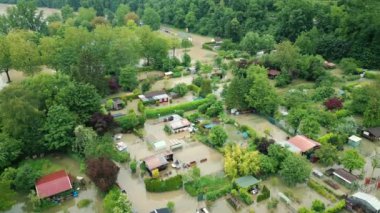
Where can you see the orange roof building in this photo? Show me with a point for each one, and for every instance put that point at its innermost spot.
(303, 143)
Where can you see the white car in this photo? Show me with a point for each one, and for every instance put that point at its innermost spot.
(118, 136)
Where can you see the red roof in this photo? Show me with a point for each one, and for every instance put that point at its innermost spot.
(53, 184)
(303, 143)
(273, 72)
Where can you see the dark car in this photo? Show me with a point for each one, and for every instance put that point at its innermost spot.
(162, 210)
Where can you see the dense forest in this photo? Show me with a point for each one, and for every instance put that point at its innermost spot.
(334, 29)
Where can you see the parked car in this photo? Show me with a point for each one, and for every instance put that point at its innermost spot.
(202, 210)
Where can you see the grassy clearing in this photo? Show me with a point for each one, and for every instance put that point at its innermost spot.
(45, 166)
(211, 186)
(84, 203)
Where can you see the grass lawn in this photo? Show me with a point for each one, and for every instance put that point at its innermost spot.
(45, 166)
(208, 185)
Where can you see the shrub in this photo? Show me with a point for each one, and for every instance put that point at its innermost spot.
(215, 109)
(102, 123)
(194, 88)
(272, 204)
(109, 104)
(318, 206)
(170, 205)
(348, 65)
(154, 113)
(265, 194)
(338, 207)
(333, 103)
(157, 185)
(140, 106)
(180, 89)
(323, 93)
(103, 172)
(131, 121)
(167, 129)
(207, 46)
(214, 195)
(321, 190)
(133, 166)
(245, 196)
(84, 203)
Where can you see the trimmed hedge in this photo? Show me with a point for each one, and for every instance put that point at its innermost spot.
(338, 207)
(245, 196)
(214, 195)
(157, 185)
(154, 112)
(194, 88)
(320, 189)
(265, 194)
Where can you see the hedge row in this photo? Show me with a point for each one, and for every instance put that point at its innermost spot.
(214, 195)
(245, 196)
(321, 190)
(194, 88)
(208, 46)
(155, 112)
(157, 185)
(265, 194)
(338, 207)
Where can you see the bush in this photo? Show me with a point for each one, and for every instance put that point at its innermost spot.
(207, 46)
(349, 65)
(180, 89)
(109, 104)
(214, 195)
(272, 204)
(167, 129)
(154, 113)
(131, 121)
(103, 172)
(265, 194)
(194, 88)
(318, 206)
(133, 166)
(323, 93)
(157, 185)
(84, 203)
(333, 103)
(215, 109)
(140, 106)
(321, 190)
(338, 207)
(245, 196)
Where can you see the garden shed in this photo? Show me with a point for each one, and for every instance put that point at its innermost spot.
(354, 141)
(53, 184)
(344, 177)
(304, 144)
(159, 145)
(372, 134)
(247, 182)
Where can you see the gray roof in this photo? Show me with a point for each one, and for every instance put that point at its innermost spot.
(246, 181)
(374, 131)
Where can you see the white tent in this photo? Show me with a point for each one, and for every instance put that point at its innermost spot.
(159, 145)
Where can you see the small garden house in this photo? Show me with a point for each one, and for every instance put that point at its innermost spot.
(344, 177)
(155, 96)
(304, 144)
(272, 73)
(372, 134)
(354, 141)
(247, 182)
(53, 184)
(364, 201)
(179, 125)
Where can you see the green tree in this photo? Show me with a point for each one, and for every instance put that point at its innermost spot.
(128, 78)
(318, 206)
(25, 16)
(83, 137)
(286, 57)
(218, 136)
(295, 118)
(8, 196)
(262, 95)
(115, 201)
(348, 65)
(67, 12)
(5, 57)
(24, 53)
(190, 19)
(308, 41)
(121, 11)
(154, 48)
(253, 42)
(327, 154)
(295, 169)
(372, 113)
(351, 160)
(59, 127)
(205, 88)
(215, 109)
(235, 94)
(186, 60)
(10, 150)
(310, 127)
(25, 178)
(82, 99)
(151, 18)
(180, 89)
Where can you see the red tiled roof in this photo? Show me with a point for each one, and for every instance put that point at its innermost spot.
(53, 184)
(303, 143)
(155, 161)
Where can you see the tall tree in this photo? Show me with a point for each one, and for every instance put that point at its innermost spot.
(327, 154)
(128, 78)
(310, 127)
(235, 94)
(352, 160)
(5, 57)
(59, 127)
(295, 169)
(262, 95)
(24, 53)
(103, 172)
(253, 42)
(151, 18)
(218, 136)
(10, 150)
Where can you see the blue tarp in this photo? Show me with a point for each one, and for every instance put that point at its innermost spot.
(209, 126)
